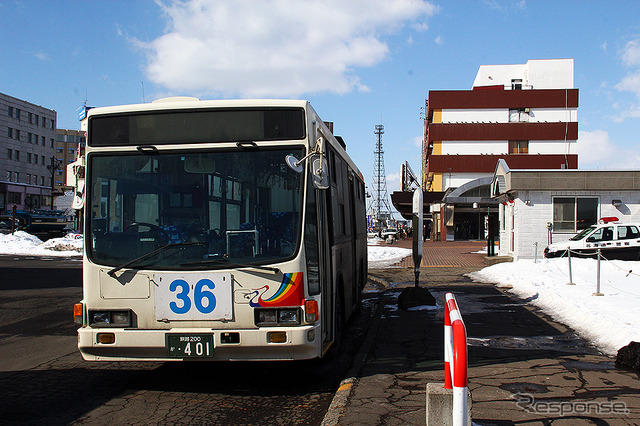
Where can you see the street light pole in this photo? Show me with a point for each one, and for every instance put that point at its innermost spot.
(53, 178)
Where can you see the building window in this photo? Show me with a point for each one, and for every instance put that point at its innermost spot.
(16, 133)
(571, 214)
(516, 84)
(17, 156)
(8, 176)
(9, 132)
(44, 121)
(35, 159)
(9, 153)
(28, 158)
(36, 120)
(10, 112)
(30, 118)
(43, 140)
(53, 125)
(519, 115)
(13, 197)
(518, 147)
(18, 113)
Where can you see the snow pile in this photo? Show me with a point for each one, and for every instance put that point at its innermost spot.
(385, 256)
(22, 243)
(610, 321)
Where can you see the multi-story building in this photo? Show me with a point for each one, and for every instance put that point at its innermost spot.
(68, 142)
(525, 114)
(27, 153)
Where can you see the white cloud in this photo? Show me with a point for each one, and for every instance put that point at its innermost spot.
(631, 53)
(439, 40)
(393, 182)
(630, 83)
(277, 47)
(417, 142)
(630, 56)
(597, 151)
(42, 56)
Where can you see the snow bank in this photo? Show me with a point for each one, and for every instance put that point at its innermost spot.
(22, 243)
(385, 256)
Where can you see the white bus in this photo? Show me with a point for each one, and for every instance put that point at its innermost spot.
(218, 230)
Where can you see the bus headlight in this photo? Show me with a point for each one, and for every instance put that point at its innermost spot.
(266, 316)
(288, 316)
(110, 318)
(282, 316)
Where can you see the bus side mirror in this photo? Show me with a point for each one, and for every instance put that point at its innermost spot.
(78, 196)
(320, 173)
(319, 166)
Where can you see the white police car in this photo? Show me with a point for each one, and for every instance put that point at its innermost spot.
(615, 240)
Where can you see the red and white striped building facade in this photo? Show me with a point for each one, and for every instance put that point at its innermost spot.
(525, 114)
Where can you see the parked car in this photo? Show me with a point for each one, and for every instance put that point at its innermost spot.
(44, 224)
(615, 240)
(390, 232)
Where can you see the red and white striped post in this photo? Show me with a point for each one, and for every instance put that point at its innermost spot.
(455, 359)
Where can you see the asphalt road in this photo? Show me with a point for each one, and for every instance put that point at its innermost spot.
(43, 379)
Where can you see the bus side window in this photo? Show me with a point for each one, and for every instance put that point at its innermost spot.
(332, 166)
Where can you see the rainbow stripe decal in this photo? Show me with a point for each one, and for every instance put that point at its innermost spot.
(290, 293)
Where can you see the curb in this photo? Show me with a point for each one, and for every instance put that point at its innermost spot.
(341, 398)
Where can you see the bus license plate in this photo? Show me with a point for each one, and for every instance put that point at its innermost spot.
(190, 345)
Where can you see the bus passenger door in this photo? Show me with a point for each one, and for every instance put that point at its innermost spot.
(324, 268)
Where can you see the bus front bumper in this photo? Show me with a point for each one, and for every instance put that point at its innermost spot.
(302, 342)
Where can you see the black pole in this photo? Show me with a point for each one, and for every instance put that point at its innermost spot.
(53, 178)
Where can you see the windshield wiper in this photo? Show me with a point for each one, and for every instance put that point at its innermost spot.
(151, 253)
(226, 262)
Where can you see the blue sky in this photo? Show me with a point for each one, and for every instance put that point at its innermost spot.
(360, 63)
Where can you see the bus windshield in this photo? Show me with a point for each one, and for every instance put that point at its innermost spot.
(211, 209)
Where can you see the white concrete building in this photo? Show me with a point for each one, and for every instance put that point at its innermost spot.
(542, 206)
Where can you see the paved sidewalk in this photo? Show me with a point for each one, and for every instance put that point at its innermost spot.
(438, 254)
(524, 368)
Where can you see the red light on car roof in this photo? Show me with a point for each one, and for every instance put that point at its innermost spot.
(609, 219)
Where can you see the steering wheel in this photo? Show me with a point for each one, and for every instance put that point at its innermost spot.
(155, 229)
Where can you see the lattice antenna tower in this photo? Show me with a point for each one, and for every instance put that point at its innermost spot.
(380, 204)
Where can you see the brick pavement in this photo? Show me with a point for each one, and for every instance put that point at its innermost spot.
(446, 253)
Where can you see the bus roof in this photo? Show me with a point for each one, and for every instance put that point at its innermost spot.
(189, 102)
(184, 102)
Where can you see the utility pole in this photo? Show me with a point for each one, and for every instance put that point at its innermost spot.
(52, 167)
